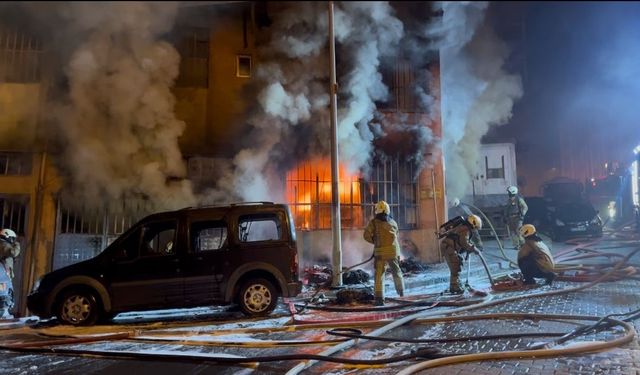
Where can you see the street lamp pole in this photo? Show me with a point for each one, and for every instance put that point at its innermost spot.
(335, 186)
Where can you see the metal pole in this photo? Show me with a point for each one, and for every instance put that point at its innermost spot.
(335, 193)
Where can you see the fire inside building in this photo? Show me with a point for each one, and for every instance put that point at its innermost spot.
(219, 56)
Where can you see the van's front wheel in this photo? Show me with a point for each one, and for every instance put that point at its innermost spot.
(78, 308)
(257, 297)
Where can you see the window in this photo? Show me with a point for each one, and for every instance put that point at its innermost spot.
(128, 250)
(243, 66)
(158, 239)
(308, 192)
(193, 47)
(15, 163)
(494, 172)
(20, 56)
(208, 235)
(254, 228)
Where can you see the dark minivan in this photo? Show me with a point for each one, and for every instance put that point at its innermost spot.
(240, 253)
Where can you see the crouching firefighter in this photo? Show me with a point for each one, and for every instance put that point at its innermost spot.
(382, 232)
(456, 239)
(534, 257)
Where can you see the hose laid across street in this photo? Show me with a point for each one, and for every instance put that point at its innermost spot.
(340, 347)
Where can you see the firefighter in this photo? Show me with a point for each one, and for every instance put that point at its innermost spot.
(9, 250)
(534, 257)
(514, 213)
(456, 242)
(460, 209)
(382, 232)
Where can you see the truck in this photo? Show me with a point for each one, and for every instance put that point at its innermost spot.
(495, 172)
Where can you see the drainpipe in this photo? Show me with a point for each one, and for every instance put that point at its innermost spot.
(31, 254)
(435, 209)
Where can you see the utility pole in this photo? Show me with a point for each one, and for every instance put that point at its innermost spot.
(336, 226)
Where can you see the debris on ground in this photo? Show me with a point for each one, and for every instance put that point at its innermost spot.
(412, 265)
(317, 274)
(355, 277)
(349, 296)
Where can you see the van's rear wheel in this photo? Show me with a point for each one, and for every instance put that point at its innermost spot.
(78, 308)
(257, 297)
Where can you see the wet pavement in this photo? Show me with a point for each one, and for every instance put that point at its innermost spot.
(224, 332)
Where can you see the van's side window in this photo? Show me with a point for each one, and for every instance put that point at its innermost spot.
(262, 227)
(158, 239)
(208, 235)
(128, 250)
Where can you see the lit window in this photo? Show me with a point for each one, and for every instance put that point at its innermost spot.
(243, 66)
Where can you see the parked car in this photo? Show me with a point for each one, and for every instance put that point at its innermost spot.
(240, 253)
(6, 294)
(562, 220)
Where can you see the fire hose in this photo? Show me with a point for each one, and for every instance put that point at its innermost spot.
(407, 319)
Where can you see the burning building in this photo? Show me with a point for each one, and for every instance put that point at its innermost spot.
(151, 106)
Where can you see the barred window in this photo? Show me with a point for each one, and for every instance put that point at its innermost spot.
(308, 191)
(402, 80)
(20, 56)
(14, 214)
(83, 234)
(15, 163)
(193, 47)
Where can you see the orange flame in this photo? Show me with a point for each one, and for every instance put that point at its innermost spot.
(308, 192)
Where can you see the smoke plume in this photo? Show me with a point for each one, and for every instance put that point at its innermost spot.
(290, 119)
(111, 108)
(476, 92)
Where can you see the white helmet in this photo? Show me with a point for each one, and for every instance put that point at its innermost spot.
(527, 230)
(8, 235)
(381, 207)
(475, 221)
(455, 202)
(512, 190)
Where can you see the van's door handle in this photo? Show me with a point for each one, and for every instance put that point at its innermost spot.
(177, 260)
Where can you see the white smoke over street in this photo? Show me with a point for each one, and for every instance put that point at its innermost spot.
(119, 124)
(476, 92)
(110, 110)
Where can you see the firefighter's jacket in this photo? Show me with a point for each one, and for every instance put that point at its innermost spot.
(8, 252)
(458, 239)
(516, 208)
(540, 252)
(384, 237)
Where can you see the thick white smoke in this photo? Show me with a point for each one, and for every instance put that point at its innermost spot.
(476, 92)
(291, 120)
(118, 128)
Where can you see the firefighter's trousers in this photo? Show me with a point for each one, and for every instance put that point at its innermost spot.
(514, 224)
(382, 259)
(454, 261)
(530, 269)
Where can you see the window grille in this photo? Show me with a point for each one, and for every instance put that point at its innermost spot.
(15, 163)
(20, 56)
(308, 191)
(194, 58)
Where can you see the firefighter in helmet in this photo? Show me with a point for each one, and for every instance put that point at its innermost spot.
(382, 232)
(514, 213)
(461, 209)
(454, 244)
(534, 257)
(9, 250)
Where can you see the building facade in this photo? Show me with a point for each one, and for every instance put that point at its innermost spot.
(218, 57)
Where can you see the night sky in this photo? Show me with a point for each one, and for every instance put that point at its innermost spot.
(580, 64)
